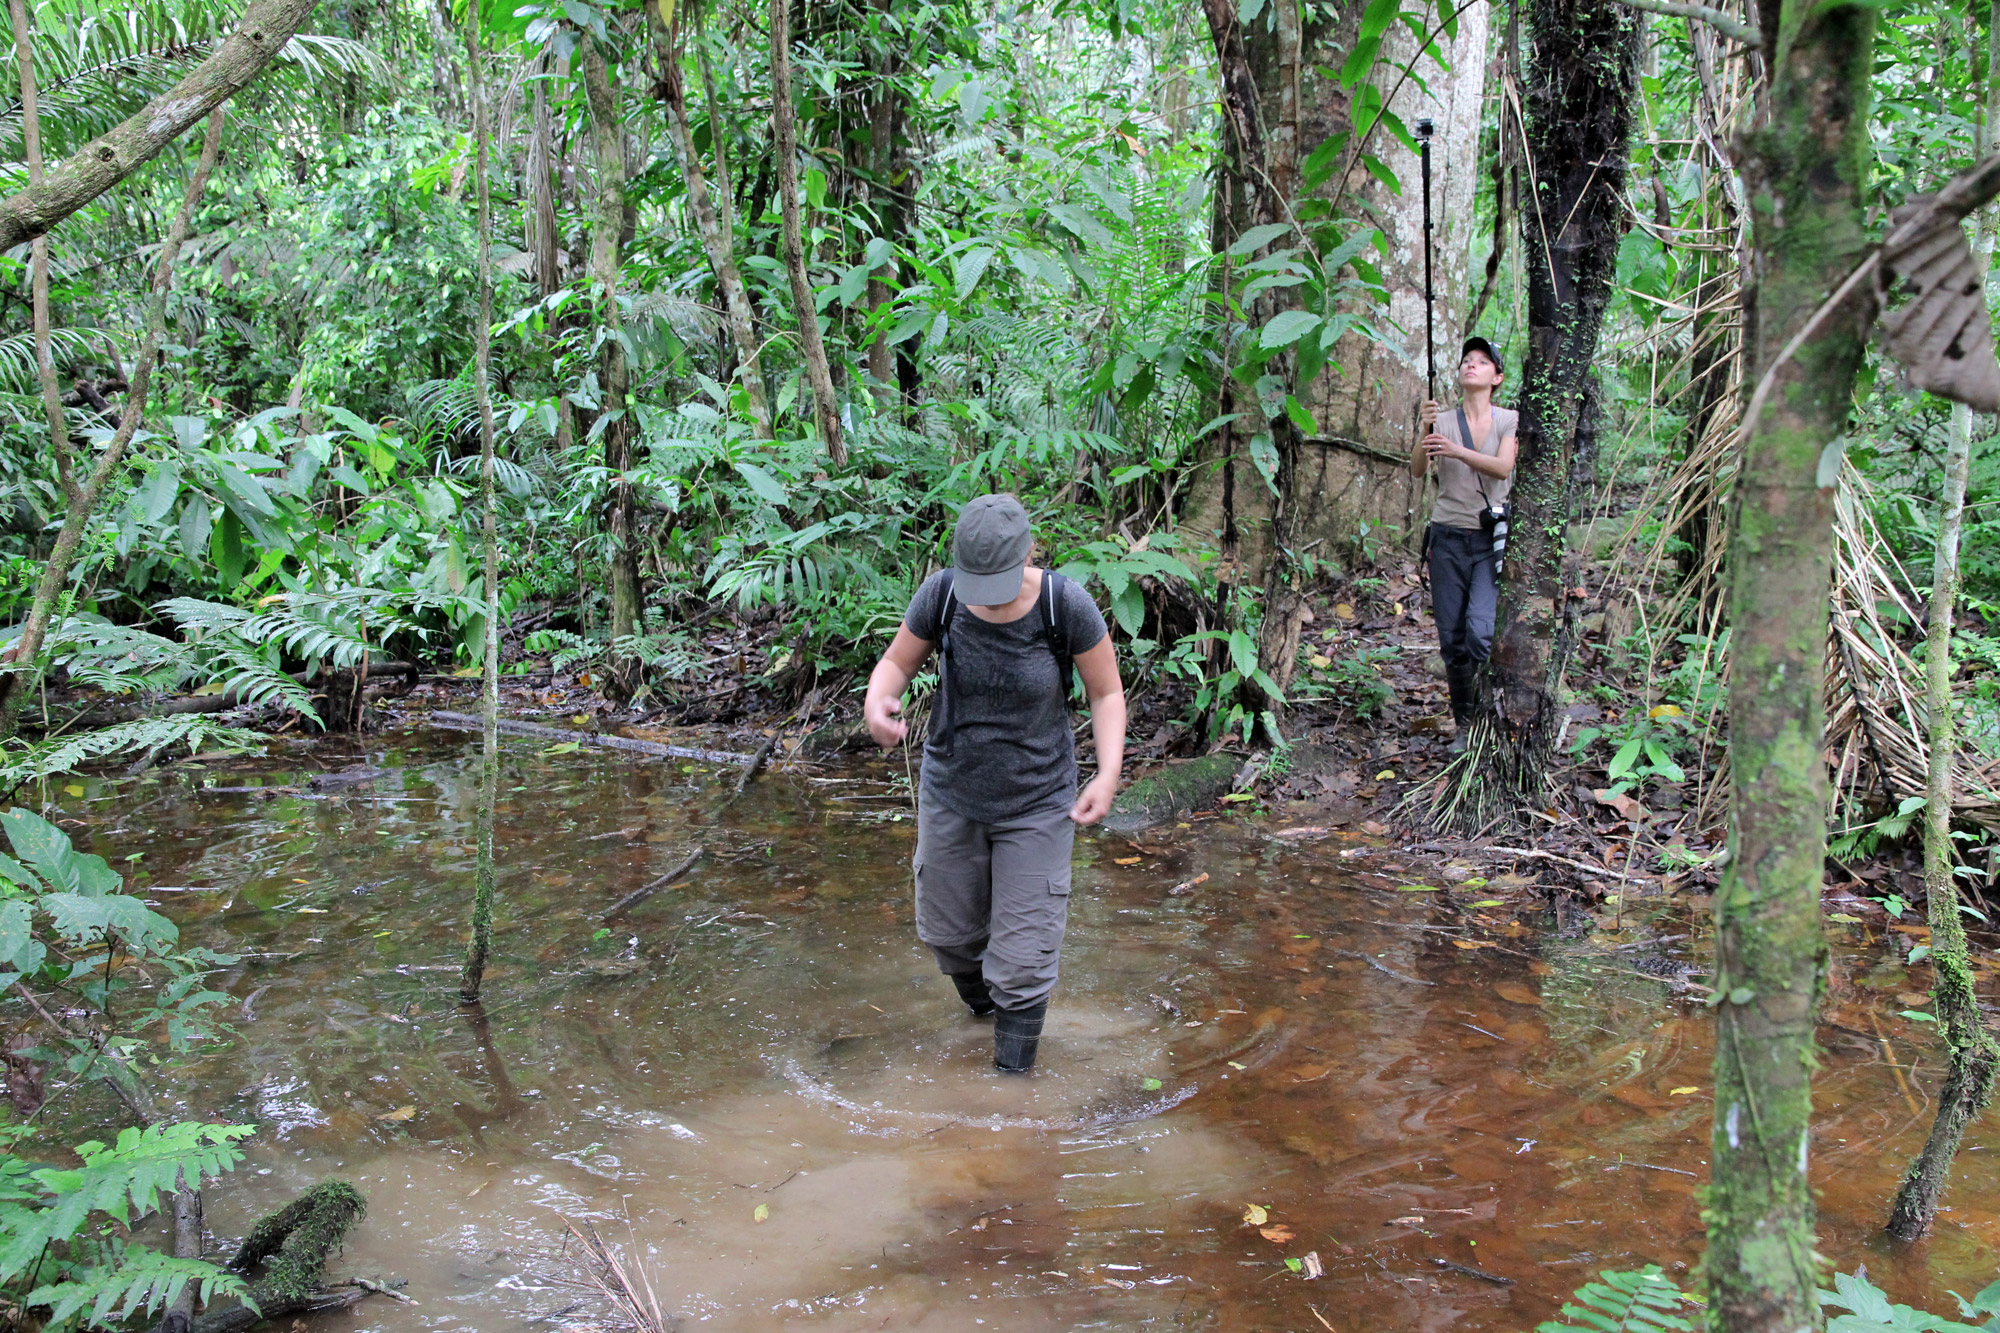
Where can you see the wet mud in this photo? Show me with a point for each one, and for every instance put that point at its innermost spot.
(1458, 1102)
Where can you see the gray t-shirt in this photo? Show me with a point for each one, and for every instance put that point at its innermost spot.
(1013, 753)
(1463, 492)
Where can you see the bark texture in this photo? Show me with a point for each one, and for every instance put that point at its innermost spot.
(100, 164)
(1582, 90)
(785, 144)
(718, 234)
(1806, 166)
(1973, 1054)
(614, 375)
(1351, 487)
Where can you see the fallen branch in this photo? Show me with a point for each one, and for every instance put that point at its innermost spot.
(637, 896)
(756, 765)
(1564, 860)
(1727, 24)
(293, 1244)
(467, 722)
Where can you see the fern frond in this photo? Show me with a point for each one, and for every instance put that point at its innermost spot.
(25, 763)
(141, 1280)
(1644, 1301)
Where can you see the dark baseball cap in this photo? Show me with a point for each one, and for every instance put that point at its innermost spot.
(990, 551)
(1478, 344)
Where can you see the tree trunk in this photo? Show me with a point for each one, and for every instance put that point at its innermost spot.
(819, 374)
(100, 164)
(474, 972)
(544, 235)
(83, 491)
(1806, 167)
(1351, 487)
(613, 370)
(1582, 84)
(1974, 1055)
(885, 117)
(718, 234)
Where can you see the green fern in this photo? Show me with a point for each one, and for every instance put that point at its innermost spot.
(1631, 1302)
(146, 736)
(140, 1281)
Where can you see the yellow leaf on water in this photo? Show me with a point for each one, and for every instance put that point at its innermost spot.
(763, 1211)
(1681, 1092)
(399, 1114)
(1125, 860)
(1256, 1215)
(1474, 944)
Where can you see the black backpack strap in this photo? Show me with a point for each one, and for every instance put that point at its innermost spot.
(946, 730)
(1054, 630)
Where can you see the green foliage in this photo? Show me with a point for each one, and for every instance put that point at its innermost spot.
(147, 737)
(60, 1249)
(1871, 1311)
(1642, 1301)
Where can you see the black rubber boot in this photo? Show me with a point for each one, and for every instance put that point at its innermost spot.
(1016, 1034)
(972, 989)
(1464, 684)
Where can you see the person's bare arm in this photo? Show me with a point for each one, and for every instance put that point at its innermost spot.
(1498, 465)
(1420, 455)
(1099, 668)
(886, 684)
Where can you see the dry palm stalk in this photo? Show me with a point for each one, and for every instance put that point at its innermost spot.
(599, 1267)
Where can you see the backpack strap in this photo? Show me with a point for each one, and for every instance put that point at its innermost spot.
(946, 728)
(1055, 632)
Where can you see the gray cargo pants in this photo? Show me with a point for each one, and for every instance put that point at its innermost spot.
(994, 898)
(1464, 597)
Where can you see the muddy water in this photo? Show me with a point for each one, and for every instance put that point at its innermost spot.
(759, 1084)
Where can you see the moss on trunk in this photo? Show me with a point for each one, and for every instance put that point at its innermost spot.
(1806, 168)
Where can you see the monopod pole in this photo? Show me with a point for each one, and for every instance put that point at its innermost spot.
(1430, 333)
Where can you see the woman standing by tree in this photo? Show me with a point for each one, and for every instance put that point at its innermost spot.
(998, 808)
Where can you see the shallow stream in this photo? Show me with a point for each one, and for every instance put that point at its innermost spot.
(758, 1083)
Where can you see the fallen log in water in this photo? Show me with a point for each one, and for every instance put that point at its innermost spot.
(510, 727)
(293, 1245)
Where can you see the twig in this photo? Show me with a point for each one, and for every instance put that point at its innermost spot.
(638, 896)
(756, 765)
(467, 722)
(379, 1289)
(1414, 981)
(1468, 1269)
(1727, 24)
(1564, 860)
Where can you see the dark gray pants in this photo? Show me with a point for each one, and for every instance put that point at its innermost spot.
(994, 898)
(1464, 598)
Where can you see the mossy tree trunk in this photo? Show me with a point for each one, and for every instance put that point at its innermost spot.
(614, 375)
(1806, 167)
(1973, 1054)
(785, 144)
(1581, 95)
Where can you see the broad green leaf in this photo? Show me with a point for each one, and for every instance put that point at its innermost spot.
(762, 482)
(1255, 239)
(1287, 327)
(971, 267)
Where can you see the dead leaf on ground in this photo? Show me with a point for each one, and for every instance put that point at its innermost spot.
(399, 1114)
(1277, 1235)
(1374, 827)
(1126, 860)
(1515, 993)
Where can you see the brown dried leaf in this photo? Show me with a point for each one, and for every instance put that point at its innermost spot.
(1277, 1235)
(1942, 334)
(1515, 993)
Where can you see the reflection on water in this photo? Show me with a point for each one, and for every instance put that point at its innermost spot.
(758, 1080)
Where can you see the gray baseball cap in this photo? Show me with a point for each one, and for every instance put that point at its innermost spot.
(990, 551)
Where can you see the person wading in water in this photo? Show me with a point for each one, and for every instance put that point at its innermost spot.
(998, 807)
(1472, 449)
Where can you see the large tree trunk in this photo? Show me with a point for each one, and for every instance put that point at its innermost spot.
(785, 144)
(1806, 169)
(607, 134)
(1352, 478)
(1582, 85)
(885, 119)
(718, 233)
(1973, 1054)
(100, 164)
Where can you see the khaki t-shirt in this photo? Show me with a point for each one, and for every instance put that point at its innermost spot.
(1462, 492)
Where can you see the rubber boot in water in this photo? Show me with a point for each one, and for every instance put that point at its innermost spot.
(972, 989)
(1016, 1034)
